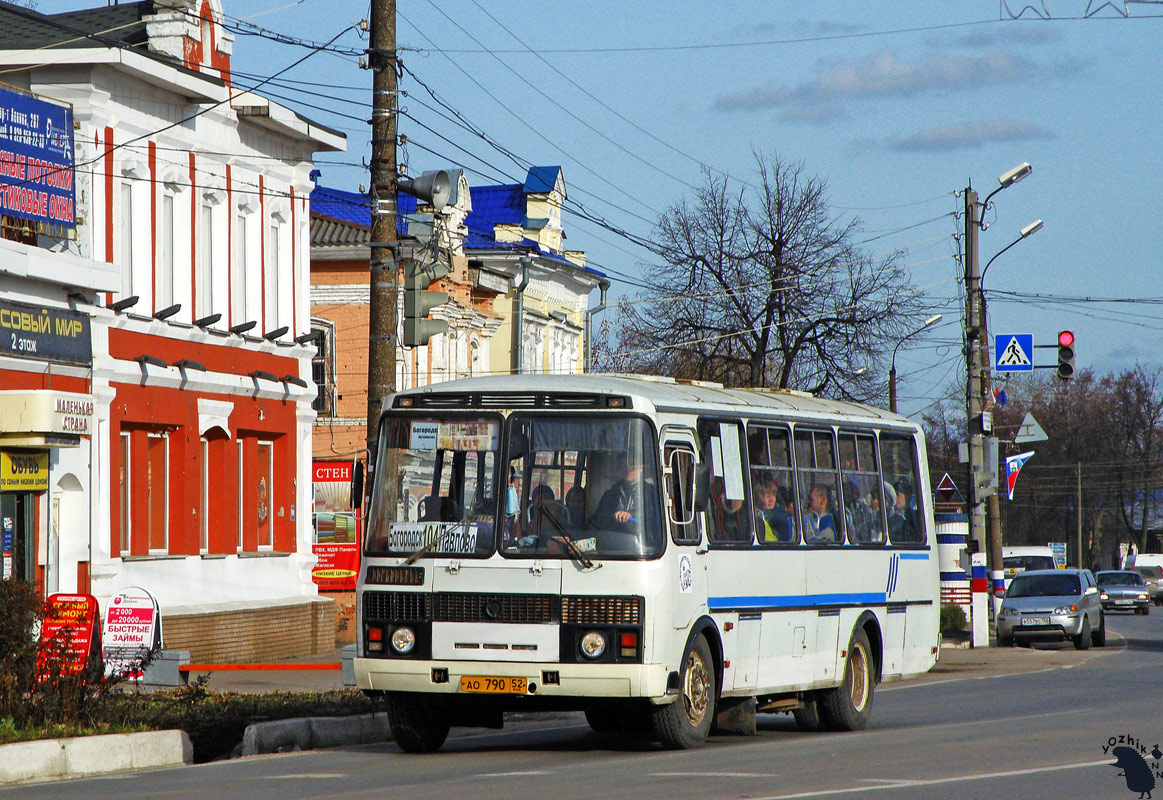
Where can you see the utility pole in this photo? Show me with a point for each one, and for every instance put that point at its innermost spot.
(381, 373)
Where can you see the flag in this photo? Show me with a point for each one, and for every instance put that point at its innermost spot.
(1013, 467)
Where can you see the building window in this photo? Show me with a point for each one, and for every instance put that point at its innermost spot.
(323, 367)
(271, 297)
(241, 494)
(264, 469)
(165, 267)
(204, 511)
(205, 288)
(126, 494)
(125, 238)
(239, 270)
(157, 491)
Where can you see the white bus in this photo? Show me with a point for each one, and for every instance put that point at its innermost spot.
(664, 556)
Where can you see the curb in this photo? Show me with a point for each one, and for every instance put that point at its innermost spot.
(309, 733)
(93, 755)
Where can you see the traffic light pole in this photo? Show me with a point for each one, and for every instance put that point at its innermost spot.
(383, 280)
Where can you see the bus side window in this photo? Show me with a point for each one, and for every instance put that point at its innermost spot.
(680, 493)
(729, 516)
(898, 457)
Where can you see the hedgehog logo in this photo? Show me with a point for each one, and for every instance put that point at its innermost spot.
(1135, 770)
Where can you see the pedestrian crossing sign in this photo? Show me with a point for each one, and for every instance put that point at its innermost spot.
(1013, 352)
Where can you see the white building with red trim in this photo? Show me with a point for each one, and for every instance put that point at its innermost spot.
(195, 191)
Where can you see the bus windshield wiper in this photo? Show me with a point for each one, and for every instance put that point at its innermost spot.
(571, 549)
(419, 554)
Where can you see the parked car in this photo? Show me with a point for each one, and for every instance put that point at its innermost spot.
(1052, 604)
(1153, 577)
(1123, 590)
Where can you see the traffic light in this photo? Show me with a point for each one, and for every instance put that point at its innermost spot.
(1065, 355)
(418, 302)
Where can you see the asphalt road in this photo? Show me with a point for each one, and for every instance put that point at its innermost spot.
(958, 733)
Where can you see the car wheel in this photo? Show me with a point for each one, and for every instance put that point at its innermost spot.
(1146, 610)
(1083, 640)
(1099, 637)
(1005, 641)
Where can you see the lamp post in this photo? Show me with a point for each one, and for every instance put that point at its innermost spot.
(892, 369)
(977, 367)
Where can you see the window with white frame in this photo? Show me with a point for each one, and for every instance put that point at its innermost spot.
(204, 291)
(204, 511)
(271, 274)
(241, 493)
(264, 488)
(125, 237)
(126, 495)
(164, 280)
(323, 366)
(157, 491)
(239, 267)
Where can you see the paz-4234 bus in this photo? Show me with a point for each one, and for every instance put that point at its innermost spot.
(667, 557)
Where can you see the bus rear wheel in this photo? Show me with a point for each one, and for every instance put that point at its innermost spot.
(807, 716)
(848, 707)
(685, 723)
(419, 723)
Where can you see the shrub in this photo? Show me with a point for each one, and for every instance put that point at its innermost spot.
(21, 609)
(953, 618)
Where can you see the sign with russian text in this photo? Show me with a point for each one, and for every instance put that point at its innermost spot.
(47, 334)
(67, 635)
(23, 472)
(133, 631)
(36, 160)
(336, 525)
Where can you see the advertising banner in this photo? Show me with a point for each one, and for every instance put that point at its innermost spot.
(337, 528)
(36, 160)
(23, 472)
(133, 630)
(67, 634)
(47, 334)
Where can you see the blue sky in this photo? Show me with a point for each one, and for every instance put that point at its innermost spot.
(898, 105)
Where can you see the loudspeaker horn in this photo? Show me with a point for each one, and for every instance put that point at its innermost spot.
(432, 188)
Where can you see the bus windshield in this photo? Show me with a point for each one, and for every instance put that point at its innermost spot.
(585, 485)
(437, 494)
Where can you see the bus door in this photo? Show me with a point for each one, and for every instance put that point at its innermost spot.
(679, 458)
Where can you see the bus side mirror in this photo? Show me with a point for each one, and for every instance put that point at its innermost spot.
(357, 485)
(702, 486)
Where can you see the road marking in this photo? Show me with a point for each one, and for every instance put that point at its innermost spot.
(329, 776)
(514, 774)
(704, 774)
(876, 785)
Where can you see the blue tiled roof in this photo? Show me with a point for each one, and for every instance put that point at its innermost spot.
(541, 180)
(355, 208)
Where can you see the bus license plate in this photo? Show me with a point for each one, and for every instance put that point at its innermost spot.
(502, 685)
(1035, 620)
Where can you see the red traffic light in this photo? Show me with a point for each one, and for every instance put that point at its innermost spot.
(1065, 339)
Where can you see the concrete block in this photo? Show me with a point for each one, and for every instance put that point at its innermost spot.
(334, 731)
(163, 670)
(160, 749)
(374, 728)
(348, 671)
(270, 737)
(25, 761)
(90, 754)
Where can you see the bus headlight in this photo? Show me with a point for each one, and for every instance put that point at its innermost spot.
(403, 640)
(593, 644)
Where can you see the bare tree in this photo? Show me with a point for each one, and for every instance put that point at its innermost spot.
(766, 288)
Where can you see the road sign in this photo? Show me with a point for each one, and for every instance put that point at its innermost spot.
(1013, 352)
(1030, 431)
(946, 489)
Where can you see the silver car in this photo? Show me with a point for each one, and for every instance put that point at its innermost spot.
(1153, 577)
(1123, 590)
(1052, 604)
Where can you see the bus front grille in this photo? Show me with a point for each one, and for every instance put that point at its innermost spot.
(397, 606)
(586, 610)
(481, 607)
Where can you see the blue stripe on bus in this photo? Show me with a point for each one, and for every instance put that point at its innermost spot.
(914, 556)
(794, 600)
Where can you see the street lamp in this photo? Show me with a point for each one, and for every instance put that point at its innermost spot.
(892, 369)
(1025, 232)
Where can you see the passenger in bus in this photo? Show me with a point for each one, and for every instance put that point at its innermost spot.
(820, 521)
(728, 524)
(772, 521)
(900, 522)
(545, 513)
(575, 505)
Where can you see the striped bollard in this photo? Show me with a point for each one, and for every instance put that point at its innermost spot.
(979, 591)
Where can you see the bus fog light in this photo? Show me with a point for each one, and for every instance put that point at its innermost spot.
(593, 644)
(403, 640)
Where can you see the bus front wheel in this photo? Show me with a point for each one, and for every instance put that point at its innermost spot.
(685, 723)
(848, 707)
(419, 723)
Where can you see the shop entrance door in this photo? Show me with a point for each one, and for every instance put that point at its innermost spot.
(18, 549)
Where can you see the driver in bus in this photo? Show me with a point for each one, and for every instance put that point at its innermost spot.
(619, 508)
